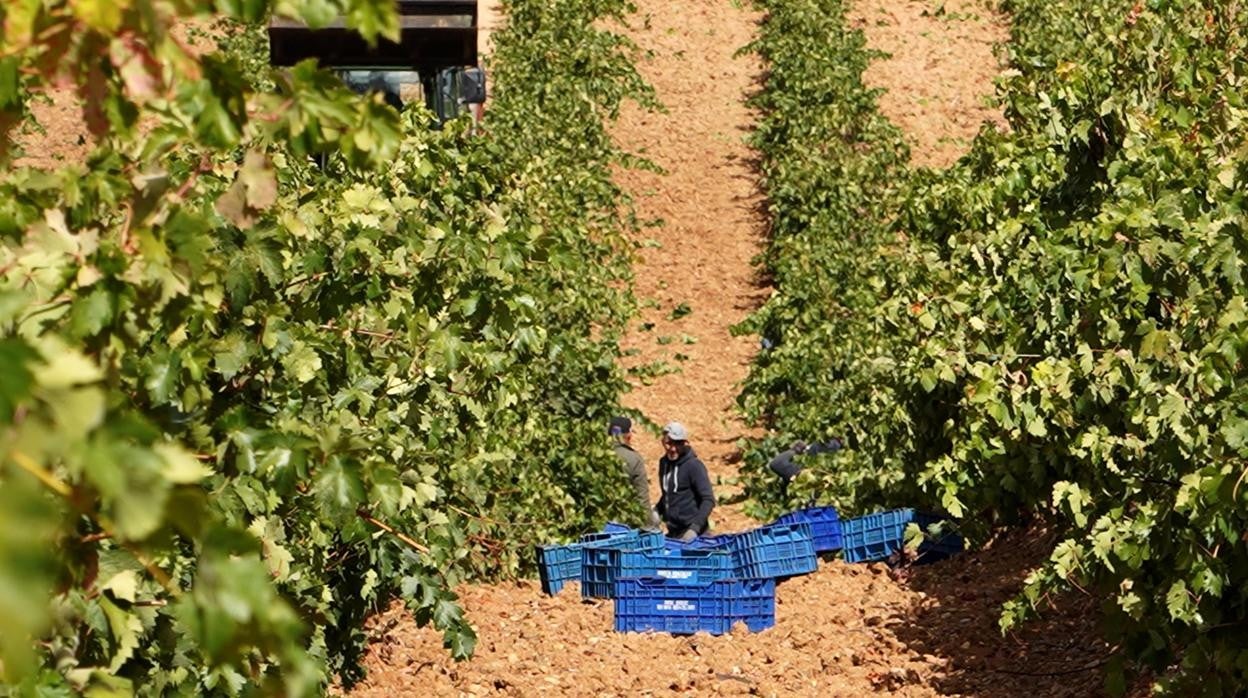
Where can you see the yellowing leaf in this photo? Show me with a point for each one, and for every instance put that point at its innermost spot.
(65, 367)
(181, 467)
(126, 628)
(102, 15)
(124, 585)
(260, 181)
(139, 70)
(1226, 176)
(233, 205)
(425, 493)
(19, 22)
(77, 412)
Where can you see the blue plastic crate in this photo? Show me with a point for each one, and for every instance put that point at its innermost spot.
(622, 538)
(878, 536)
(617, 527)
(557, 564)
(599, 564)
(685, 566)
(664, 605)
(825, 526)
(777, 550)
(754, 606)
(700, 543)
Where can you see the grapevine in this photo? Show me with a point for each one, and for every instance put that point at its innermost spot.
(1054, 326)
(248, 399)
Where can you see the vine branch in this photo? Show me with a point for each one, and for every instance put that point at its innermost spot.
(401, 536)
(63, 489)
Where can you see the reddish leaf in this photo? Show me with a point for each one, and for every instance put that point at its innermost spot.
(139, 70)
(233, 205)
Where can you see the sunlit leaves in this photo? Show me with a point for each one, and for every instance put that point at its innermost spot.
(101, 15)
(339, 489)
(1053, 325)
(254, 190)
(259, 391)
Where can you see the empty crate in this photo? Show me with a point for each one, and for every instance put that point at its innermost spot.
(700, 543)
(825, 526)
(878, 536)
(617, 527)
(685, 566)
(778, 550)
(557, 564)
(599, 558)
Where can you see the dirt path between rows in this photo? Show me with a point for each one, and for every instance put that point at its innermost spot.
(694, 273)
(939, 72)
(846, 630)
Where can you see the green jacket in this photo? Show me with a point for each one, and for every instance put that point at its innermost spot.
(635, 468)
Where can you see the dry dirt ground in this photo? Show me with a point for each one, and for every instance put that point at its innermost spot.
(56, 135)
(699, 258)
(846, 630)
(939, 73)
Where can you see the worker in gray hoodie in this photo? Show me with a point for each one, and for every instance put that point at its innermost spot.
(687, 499)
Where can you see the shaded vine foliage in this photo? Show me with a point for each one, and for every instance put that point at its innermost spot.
(1054, 325)
(246, 399)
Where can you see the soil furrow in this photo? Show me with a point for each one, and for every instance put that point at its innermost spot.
(694, 272)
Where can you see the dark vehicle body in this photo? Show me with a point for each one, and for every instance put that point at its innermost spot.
(434, 62)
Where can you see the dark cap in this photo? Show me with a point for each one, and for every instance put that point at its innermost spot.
(620, 425)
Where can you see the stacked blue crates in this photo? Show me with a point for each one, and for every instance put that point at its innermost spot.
(879, 536)
(691, 566)
(666, 605)
(699, 543)
(711, 583)
(704, 585)
(559, 564)
(825, 526)
(776, 551)
(600, 558)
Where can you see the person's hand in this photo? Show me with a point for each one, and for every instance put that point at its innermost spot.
(687, 536)
(654, 523)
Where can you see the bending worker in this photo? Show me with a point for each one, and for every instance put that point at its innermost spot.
(621, 428)
(687, 499)
(786, 466)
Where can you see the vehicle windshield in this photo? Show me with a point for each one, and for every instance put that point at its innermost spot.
(401, 88)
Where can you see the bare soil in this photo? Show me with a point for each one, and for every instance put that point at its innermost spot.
(55, 135)
(699, 258)
(938, 76)
(846, 630)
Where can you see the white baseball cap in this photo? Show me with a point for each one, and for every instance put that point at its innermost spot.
(675, 431)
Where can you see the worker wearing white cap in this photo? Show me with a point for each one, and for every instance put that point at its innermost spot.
(687, 499)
